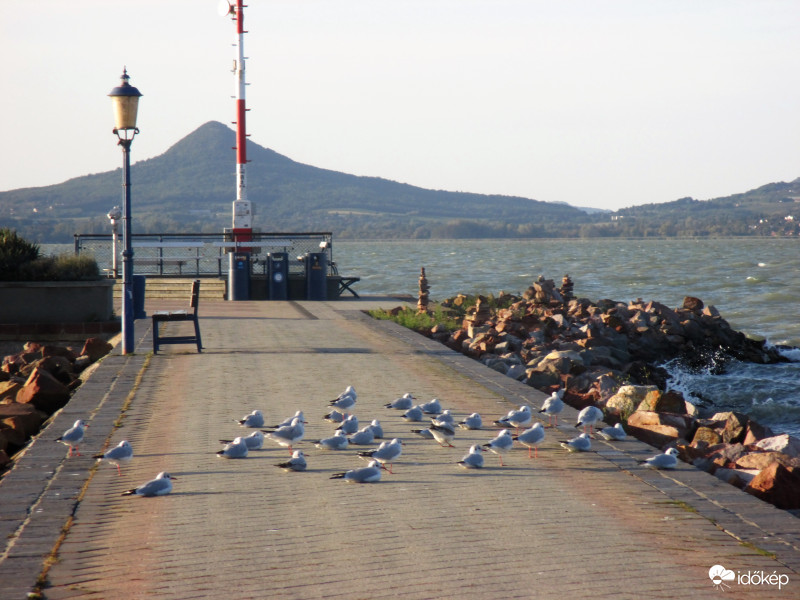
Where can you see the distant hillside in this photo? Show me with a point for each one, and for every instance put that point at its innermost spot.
(190, 188)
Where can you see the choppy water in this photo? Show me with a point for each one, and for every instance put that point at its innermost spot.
(755, 284)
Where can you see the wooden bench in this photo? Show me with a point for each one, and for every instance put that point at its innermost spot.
(179, 315)
(346, 282)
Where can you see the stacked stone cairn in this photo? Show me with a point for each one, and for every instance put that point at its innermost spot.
(607, 353)
(35, 383)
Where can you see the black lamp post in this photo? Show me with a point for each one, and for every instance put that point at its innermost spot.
(126, 104)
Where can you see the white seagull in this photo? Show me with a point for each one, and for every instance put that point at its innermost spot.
(443, 434)
(434, 407)
(532, 438)
(588, 417)
(553, 406)
(500, 444)
(346, 400)
(119, 454)
(288, 420)
(668, 460)
(473, 421)
(73, 436)
(404, 402)
(413, 414)
(387, 452)
(288, 434)
(296, 463)
(617, 432)
(444, 419)
(337, 442)
(377, 429)
(473, 459)
(369, 474)
(236, 449)
(254, 419)
(362, 437)
(160, 486)
(254, 441)
(582, 443)
(334, 416)
(516, 418)
(349, 425)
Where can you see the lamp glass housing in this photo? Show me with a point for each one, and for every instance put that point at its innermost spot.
(125, 99)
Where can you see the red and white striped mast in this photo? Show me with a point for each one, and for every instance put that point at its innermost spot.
(242, 210)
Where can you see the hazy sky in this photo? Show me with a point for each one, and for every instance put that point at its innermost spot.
(597, 103)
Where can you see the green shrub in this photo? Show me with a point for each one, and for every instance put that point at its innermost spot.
(65, 267)
(21, 260)
(15, 253)
(422, 322)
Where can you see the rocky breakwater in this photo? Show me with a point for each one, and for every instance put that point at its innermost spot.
(608, 354)
(35, 383)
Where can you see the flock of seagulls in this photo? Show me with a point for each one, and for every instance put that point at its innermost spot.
(442, 429)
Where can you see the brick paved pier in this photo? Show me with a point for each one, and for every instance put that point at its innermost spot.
(560, 526)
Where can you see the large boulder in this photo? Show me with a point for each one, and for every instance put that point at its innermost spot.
(778, 485)
(96, 348)
(658, 429)
(43, 391)
(22, 417)
(784, 443)
(732, 426)
(627, 399)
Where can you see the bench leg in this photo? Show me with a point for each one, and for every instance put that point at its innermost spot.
(197, 335)
(155, 336)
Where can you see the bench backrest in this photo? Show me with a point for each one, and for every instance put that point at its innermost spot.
(195, 295)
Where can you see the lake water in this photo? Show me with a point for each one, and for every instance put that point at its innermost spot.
(753, 282)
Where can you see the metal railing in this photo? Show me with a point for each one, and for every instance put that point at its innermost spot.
(200, 254)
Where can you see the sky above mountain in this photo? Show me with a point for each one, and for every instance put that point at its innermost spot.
(601, 104)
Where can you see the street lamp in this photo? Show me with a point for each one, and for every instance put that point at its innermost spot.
(125, 99)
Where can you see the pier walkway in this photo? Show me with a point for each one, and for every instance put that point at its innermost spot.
(594, 524)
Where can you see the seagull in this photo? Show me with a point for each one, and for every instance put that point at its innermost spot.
(377, 430)
(337, 442)
(582, 443)
(668, 460)
(334, 416)
(288, 420)
(588, 417)
(236, 449)
(444, 419)
(254, 419)
(160, 486)
(501, 443)
(296, 463)
(553, 406)
(413, 414)
(423, 433)
(349, 425)
(433, 407)
(121, 453)
(474, 459)
(73, 436)
(404, 402)
(363, 437)
(254, 441)
(369, 474)
(613, 433)
(531, 438)
(346, 400)
(443, 434)
(288, 434)
(517, 418)
(387, 452)
(473, 421)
